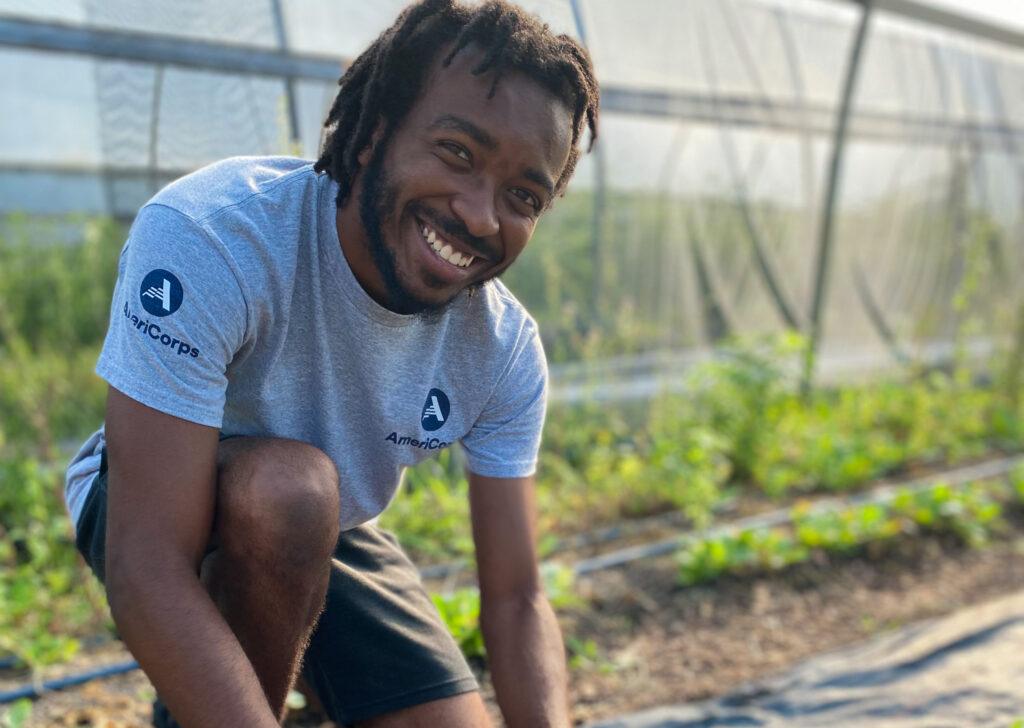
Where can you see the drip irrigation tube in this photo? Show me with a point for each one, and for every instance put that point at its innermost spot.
(36, 690)
(956, 477)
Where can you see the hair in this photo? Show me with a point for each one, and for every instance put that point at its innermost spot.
(384, 82)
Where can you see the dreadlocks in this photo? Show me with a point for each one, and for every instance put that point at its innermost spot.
(384, 82)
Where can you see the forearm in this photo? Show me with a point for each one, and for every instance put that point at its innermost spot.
(187, 650)
(526, 656)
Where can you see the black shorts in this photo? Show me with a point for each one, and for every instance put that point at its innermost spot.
(379, 646)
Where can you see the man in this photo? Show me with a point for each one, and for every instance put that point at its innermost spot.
(285, 338)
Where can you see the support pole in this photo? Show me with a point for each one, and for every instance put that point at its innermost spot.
(153, 161)
(289, 81)
(827, 231)
(600, 200)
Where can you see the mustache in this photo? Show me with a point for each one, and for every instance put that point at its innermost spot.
(452, 228)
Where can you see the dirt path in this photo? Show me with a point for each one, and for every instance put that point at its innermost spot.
(644, 642)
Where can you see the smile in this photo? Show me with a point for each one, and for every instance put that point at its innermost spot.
(443, 249)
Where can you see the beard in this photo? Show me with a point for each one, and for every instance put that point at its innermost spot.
(376, 209)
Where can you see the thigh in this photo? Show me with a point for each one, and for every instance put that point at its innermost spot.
(380, 645)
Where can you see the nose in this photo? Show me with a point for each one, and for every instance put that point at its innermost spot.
(475, 207)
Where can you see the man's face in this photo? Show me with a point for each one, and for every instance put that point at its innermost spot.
(451, 198)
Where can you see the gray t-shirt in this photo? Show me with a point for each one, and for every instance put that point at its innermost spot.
(235, 308)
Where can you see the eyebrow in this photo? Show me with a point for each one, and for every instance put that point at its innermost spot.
(481, 137)
(538, 177)
(474, 132)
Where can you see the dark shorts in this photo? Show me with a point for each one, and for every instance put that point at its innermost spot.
(379, 645)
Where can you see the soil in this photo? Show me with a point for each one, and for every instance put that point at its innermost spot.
(643, 641)
(661, 644)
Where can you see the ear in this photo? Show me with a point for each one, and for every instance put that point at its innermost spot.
(366, 154)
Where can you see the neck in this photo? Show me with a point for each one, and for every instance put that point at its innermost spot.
(356, 248)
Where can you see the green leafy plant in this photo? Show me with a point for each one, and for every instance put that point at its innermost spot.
(460, 611)
(746, 552)
(971, 513)
(585, 654)
(17, 714)
(46, 596)
(560, 586)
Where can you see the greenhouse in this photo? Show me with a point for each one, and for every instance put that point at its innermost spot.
(782, 286)
(812, 165)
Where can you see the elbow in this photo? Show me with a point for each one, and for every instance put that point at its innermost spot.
(134, 579)
(122, 580)
(512, 606)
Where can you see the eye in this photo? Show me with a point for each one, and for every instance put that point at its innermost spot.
(528, 197)
(457, 149)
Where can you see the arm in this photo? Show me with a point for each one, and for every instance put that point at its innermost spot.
(524, 643)
(162, 489)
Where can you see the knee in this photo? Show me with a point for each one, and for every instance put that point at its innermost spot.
(278, 503)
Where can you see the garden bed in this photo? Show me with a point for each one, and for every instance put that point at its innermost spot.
(656, 643)
(644, 640)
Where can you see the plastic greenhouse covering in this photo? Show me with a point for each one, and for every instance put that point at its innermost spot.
(704, 211)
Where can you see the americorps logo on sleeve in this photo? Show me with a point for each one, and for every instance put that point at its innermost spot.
(161, 293)
(435, 410)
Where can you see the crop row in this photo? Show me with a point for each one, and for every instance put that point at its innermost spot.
(972, 513)
(741, 428)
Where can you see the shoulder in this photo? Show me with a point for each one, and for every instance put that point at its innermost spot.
(234, 182)
(262, 214)
(502, 326)
(504, 317)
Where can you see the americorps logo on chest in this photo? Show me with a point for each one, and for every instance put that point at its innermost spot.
(435, 413)
(435, 410)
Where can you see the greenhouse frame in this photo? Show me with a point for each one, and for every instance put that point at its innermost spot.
(848, 170)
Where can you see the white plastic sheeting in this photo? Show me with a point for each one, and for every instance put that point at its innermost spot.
(958, 671)
(717, 133)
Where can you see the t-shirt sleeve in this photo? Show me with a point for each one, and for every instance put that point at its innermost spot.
(505, 439)
(177, 318)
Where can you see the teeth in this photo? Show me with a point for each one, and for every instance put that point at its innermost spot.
(446, 251)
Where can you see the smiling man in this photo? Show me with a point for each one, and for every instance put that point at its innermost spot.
(286, 337)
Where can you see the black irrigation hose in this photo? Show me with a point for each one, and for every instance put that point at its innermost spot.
(36, 690)
(955, 477)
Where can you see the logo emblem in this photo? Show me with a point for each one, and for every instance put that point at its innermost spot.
(160, 293)
(435, 410)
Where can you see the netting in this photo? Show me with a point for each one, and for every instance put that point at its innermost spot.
(701, 214)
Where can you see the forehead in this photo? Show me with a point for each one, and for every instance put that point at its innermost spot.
(523, 117)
